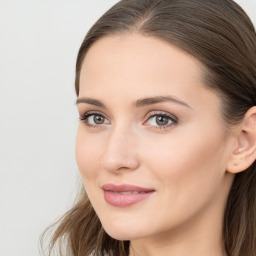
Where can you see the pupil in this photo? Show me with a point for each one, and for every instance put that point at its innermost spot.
(161, 120)
(98, 119)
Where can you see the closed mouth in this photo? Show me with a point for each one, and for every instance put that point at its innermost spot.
(125, 189)
(125, 195)
(129, 192)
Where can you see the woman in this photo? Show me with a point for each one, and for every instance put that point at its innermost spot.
(166, 143)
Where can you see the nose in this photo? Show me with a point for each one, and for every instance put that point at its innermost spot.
(120, 151)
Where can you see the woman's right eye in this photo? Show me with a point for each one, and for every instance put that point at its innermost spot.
(94, 120)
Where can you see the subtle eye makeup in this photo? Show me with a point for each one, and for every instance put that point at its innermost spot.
(154, 120)
(94, 119)
(160, 120)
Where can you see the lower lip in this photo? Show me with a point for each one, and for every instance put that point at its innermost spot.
(123, 200)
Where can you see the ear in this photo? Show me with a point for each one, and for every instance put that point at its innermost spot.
(244, 154)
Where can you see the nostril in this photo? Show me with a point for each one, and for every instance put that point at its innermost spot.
(116, 161)
(119, 163)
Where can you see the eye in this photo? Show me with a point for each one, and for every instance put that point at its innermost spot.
(94, 119)
(161, 120)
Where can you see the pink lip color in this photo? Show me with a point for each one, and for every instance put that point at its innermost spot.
(125, 195)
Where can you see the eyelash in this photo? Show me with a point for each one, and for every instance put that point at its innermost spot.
(85, 117)
(172, 118)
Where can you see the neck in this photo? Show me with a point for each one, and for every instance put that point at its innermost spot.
(199, 245)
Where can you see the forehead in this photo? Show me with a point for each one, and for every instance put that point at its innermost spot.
(136, 54)
(137, 66)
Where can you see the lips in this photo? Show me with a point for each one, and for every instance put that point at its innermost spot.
(125, 195)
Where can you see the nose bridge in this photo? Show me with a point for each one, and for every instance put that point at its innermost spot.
(120, 149)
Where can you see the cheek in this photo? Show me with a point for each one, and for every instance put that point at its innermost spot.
(188, 172)
(187, 165)
(87, 154)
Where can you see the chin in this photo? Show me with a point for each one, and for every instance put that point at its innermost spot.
(122, 236)
(123, 231)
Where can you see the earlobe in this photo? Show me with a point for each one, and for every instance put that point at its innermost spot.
(244, 154)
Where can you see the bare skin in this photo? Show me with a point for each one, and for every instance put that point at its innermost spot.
(175, 144)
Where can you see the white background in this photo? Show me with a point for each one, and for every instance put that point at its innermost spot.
(39, 41)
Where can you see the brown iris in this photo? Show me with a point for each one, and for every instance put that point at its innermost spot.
(161, 120)
(98, 119)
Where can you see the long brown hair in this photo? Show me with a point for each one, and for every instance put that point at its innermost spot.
(222, 37)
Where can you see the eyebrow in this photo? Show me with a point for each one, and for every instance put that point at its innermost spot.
(139, 103)
(90, 101)
(159, 99)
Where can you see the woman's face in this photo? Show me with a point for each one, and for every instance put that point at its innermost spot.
(152, 149)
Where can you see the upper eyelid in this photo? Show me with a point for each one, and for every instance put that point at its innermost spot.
(164, 113)
(93, 112)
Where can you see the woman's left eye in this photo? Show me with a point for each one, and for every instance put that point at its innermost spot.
(161, 121)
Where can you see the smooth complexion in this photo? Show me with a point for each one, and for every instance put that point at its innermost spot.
(149, 121)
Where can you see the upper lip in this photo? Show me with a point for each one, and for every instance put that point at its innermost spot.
(125, 188)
